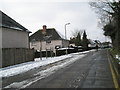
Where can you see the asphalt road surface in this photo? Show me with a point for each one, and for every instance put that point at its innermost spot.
(91, 71)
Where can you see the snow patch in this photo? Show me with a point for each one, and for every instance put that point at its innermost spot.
(16, 84)
(117, 57)
(17, 69)
(64, 48)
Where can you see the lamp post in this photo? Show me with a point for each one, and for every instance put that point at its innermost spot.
(66, 34)
(65, 30)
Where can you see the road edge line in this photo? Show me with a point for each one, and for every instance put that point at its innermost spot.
(113, 73)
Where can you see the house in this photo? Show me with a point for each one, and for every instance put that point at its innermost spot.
(98, 43)
(93, 43)
(47, 39)
(14, 40)
(13, 35)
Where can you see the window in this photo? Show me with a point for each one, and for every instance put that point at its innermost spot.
(33, 43)
(48, 41)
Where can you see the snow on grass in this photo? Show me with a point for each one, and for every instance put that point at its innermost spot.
(20, 68)
(117, 57)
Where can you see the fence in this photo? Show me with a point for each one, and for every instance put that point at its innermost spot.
(12, 56)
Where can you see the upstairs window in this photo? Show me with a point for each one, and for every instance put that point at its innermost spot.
(33, 43)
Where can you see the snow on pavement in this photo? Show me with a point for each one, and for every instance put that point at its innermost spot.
(44, 73)
(24, 67)
(51, 70)
(20, 68)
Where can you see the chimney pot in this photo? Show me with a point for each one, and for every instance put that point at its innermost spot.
(44, 29)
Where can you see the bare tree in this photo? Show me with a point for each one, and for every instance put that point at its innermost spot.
(76, 31)
(105, 9)
(109, 14)
(76, 37)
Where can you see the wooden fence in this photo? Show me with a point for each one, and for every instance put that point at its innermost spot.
(13, 56)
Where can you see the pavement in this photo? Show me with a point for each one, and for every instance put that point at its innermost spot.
(92, 71)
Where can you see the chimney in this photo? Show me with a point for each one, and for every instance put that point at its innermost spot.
(44, 29)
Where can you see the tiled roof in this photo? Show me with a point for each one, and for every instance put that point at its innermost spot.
(51, 32)
(8, 22)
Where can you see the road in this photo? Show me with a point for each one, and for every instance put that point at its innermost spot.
(92, 71)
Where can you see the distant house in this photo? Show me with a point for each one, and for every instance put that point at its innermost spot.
(13, 35)
(93, 43)
(47, 38)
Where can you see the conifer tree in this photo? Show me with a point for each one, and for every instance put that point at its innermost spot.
(85, 40)
(78, 40)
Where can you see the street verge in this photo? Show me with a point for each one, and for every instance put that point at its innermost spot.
(114, 71)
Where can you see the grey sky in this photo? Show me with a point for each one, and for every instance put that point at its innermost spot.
(33, 14)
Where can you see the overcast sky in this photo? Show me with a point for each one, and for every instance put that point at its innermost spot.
(33, 14)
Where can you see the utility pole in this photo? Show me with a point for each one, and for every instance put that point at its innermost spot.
(40, 50)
